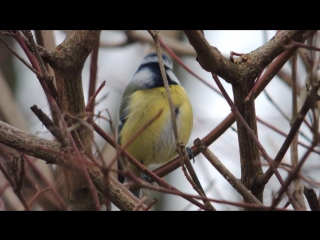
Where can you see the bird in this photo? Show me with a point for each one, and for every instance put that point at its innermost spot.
(143, 98)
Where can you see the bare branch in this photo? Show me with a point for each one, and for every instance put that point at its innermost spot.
(38, 147)
(212, 60)
(312, 199)
(179, 47)
(297, 187)
(225, 172)
(272, 70)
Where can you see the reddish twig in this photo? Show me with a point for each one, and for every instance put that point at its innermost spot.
(153, 202)
(89, 107)
(38, 194)
(284, 134)
(16, 186)
(144, 184)
(226, 173)
(295, 126)
(53, 189)
(291, 177)
(19, 57)
(141, 202)
(294, 44)
(140, 166)
(236, 112)
(253, 89)
(93, 76)
(270, 72)
(5, 186)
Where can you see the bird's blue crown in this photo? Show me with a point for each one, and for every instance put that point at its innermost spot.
(148, 75)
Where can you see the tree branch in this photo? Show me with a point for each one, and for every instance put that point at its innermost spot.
(50, 152)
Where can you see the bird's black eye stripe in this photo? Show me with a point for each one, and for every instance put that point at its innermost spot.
(156, 75)
(176, 111)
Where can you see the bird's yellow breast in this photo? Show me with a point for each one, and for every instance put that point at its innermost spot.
(156, 144)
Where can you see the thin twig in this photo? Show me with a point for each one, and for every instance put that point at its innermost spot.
(186, 161)
(312, 199)
(155, 37)
(287, 204)
(38, 194)
(140, 166)
(33, 44)
(142, 201)
(291, 177)
(19, 57)
(250, 132)
(89, 107)
(50, 151)
(15, 189)
(144, 184)
(285, 116)
(284, 134)
(302, 45)
(153, 202)
(49, 124)
(93, 75)
(46, 182)
(267, 76)
(194, 181)
(53, 99)
(134, 136)
(294, 146)
(226, 173)
(296, 125)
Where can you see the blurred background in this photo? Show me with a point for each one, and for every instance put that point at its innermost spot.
(120, 54)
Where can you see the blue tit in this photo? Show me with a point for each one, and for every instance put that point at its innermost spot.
(143, 98)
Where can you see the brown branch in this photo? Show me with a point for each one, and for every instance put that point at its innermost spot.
(192, 176)
(184, 195)
(193, 179)
(312, 199)
(46, 182)
(284, 134)
(291, 177)
(198, 186)
(295, 126)
(19, 57)
(210, 57)
(226, 173)
(212, 60)
(16, 185)
(93, 97)
(286, 78)
(297, 189)
(179, 47)
(140, 166)
(93, 75)
(67, 62)
(156, 37)
(38, 194)
(268, 75)
(56, 132)
(39, 147)
(252, 134)
(35, 52)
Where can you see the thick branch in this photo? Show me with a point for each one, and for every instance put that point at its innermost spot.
(67, 62)
(209, 57)
(49, 151)
(229, 120)
(212, 61)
